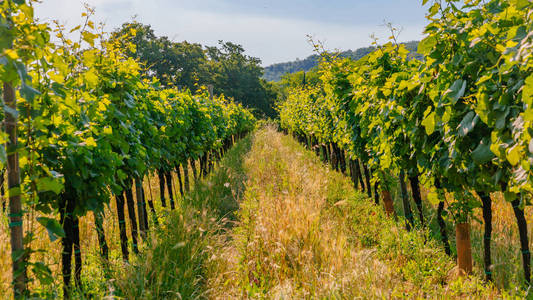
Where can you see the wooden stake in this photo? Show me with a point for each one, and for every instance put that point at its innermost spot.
(15, 205)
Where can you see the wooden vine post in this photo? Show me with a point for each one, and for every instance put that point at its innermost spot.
(130, 204)
(440, 219)
(15, 204)
(464, 248)
(524, 241)
(387, 202)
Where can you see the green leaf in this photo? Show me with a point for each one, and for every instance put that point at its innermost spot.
(3, 155)
(527, 92)
(521, 4)
(42, 272)
(509, 196)
(500, 119)
(467, 124)
(434, 9)
(49, 184)
(456, 90)
(426, 45)
(53, 227)
(28, 92)
(482, 153)
(59, 90)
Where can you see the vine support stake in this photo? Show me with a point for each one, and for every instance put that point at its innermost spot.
(487, 220)
(15, 204)
(464, 247)
(387, 202)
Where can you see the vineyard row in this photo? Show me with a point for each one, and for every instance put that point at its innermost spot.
(82, 124)
(460, 120)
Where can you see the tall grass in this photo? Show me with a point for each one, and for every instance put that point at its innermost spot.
(175, 264)
(303, 232)
(272, 221)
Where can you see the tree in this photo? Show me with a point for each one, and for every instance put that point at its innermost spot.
(238, 76)
(189, 66)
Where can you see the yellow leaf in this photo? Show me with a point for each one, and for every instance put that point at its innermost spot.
(90, 142)
(108, 130)
(90, 57)
(91, 78)
(56, 77)
(514, 155)
(89, 37)
(11, 53)
(101, 106)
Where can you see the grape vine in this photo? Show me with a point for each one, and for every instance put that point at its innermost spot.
(459, 120)
(82, 125)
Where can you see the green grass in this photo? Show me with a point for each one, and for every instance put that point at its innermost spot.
(174, 265)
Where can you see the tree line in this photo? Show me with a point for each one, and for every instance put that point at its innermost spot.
(190, 65)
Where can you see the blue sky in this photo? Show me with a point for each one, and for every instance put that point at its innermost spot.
(273, 30)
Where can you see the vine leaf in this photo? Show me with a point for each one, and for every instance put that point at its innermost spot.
(53, 227)
(426, 45)
(49, 184)
(456, 90)
(3, 155)
(467, 124)
(482, 153)
(514, 155)
(429, 123)
(527, 92)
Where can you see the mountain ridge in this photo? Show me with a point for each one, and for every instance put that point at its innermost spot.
(274, 72)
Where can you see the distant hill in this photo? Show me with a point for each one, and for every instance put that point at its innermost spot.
(275, 71)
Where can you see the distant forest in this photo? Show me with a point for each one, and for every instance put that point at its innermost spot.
(275, 71)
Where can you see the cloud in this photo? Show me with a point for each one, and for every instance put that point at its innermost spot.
(269, 36)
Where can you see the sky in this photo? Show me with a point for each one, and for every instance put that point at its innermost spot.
(272, 30)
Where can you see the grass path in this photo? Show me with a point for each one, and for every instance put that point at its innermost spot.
(273, 222)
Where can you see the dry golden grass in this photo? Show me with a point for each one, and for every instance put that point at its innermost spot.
(303, 235)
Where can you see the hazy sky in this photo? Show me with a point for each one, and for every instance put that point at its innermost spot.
(273, 30)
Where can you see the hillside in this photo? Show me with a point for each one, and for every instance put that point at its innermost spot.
(275, 71)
